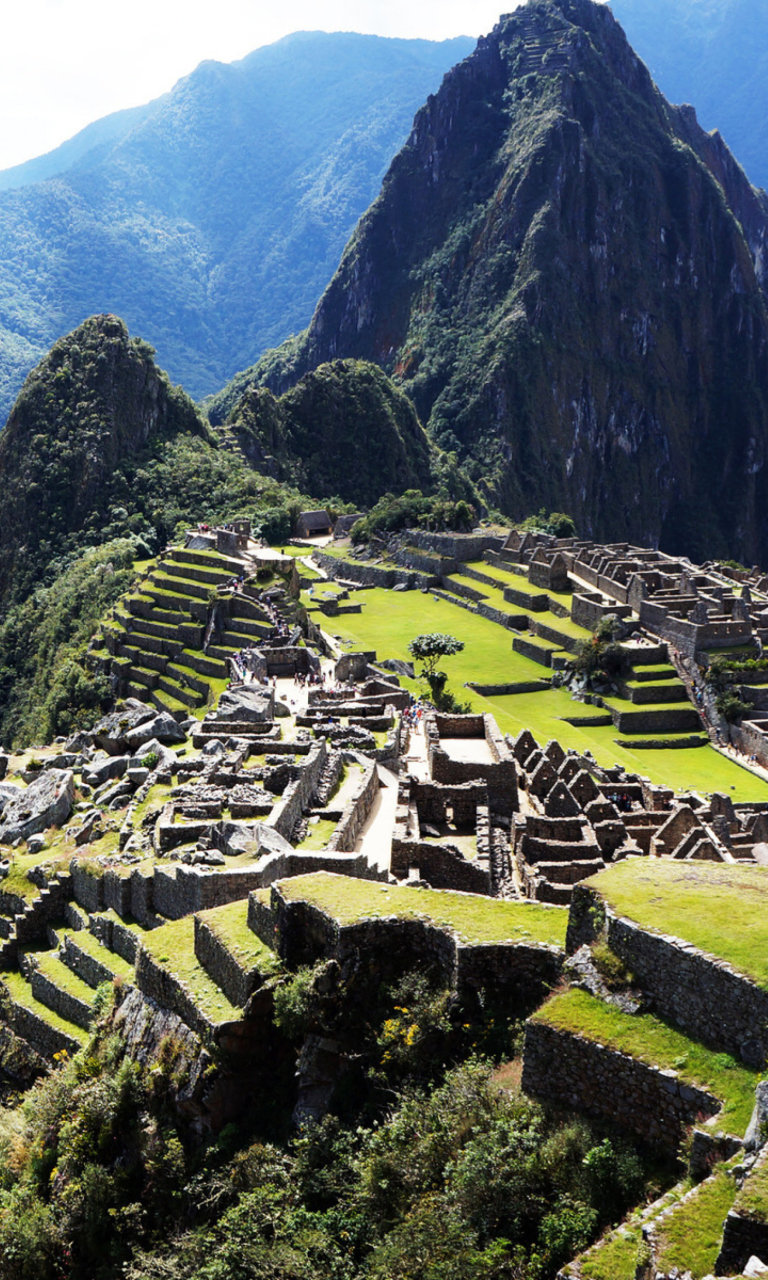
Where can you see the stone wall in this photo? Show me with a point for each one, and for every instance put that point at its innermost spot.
(372, 575)
(518, 974)
(182, 890)
(580, 1074)
(701, 994)
(88, 889)
(743, 1238)
(237, 982)
(356, 813)
(296, 797)
(459, 546)
(440, 865)
(66, 1005)
(83, 963)
(47, 1040)
(500, 776)
(116, 937)
(166, 990)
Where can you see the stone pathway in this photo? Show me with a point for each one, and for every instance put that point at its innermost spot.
(375, 839)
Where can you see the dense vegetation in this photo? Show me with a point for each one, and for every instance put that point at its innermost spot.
(345, 429)
(441, 1175)
(714, 55)
(212, 219)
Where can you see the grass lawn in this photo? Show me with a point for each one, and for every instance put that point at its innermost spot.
(21, 992)
(693, 1230)
(230, 924)
(173, 947)
(89, 943)
(389, 619)
(719, 907)
(652, 1041)
(318, 835)
(473, 917)
(56, 971)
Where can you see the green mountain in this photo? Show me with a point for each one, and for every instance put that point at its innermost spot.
(212, 218)
(91, 412)
(713, 53)
(343, 429)
(567, 276)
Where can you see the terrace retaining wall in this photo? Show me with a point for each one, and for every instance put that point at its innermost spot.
(518, 974)
(702, 994)
(166, 990)
(44, 1038)
(237, 982)
(576, 1073)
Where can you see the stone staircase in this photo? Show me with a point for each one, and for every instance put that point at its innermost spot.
(156, 640)
(30, 924)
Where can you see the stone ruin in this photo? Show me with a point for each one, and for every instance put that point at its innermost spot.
(576, 817)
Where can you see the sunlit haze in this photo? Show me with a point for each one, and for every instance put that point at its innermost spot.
(65, 63)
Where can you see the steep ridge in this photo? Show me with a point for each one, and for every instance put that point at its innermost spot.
(567, 276)
(96, 403)
(713, 53)
(212, 218)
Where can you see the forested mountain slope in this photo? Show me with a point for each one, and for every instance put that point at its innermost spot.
(568, 277)
(211, 219)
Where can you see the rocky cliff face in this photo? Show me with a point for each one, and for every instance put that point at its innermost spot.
(94, 403)
(568, 278)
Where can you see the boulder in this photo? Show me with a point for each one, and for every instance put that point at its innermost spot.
(167, 760)
(247, 705)
(163, 727)
(8, 792)
(104, 770)
(47, 802)
(254, 838)
(110, 733)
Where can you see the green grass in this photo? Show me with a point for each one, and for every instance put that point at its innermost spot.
(173, 947)
(158, 796)
(752, 1199)
(390, 619)
(21, 992)
(473, 917)
(614, 1258)
(87, 942)
(318, 835)
(719, 907)
(53, 968)
(692, 1231)
(230, 924)
(652, 1041)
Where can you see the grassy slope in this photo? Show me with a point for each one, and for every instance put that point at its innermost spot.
(474, 918)
(390, 619)
(230, 924)
(173, 947)
(720, 908)
(693, 1230)
(650, 1040)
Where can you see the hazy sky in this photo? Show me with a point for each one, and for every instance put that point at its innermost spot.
(64, 63)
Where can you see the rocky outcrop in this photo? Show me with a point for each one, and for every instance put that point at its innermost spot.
(47, 802)
(566, 275)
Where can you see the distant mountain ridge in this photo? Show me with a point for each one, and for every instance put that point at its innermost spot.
(211, 219)
(568, 277)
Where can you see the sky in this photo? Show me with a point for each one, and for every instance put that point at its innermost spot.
(65, 63)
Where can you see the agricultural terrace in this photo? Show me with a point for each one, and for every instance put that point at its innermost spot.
(389, 619)
(654, 1042)
(718, 907)
(475, 919)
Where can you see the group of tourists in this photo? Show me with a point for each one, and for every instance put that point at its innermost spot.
(414, 714)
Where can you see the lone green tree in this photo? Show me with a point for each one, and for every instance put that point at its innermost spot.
(428, 649)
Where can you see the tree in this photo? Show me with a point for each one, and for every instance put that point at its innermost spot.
(428, 649)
